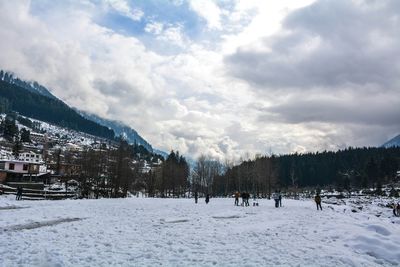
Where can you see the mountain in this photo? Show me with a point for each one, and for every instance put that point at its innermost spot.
(33, 87)
(37, 106)
(120, 129)
(40, 104)
(394, 142)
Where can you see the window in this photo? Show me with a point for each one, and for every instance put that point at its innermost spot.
(37, 156)
(32, 156)
(25, 167)
(11, 166)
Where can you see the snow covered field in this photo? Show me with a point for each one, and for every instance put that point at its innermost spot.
(176, 232)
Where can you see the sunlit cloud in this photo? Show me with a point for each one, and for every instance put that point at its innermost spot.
(222, 78)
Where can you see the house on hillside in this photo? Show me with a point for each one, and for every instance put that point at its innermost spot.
(38, 137)
(31, 157)
(17, 170)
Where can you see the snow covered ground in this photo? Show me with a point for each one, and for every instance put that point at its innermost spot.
(177, 232)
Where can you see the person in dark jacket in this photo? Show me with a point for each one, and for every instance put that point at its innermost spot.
(280, 199)
(19, 193)
(396, 209)
(317, 200)
(196, 197)
(237, 195)
(207, 198)
(276, 199)
(247, 197)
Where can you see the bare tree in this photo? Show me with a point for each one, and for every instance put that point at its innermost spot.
(206, 170)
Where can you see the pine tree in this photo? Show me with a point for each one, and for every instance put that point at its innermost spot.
(372, 171)
(9, 128)
(25, 135)
(17, 146)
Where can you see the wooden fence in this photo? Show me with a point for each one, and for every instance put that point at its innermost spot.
(35, 194)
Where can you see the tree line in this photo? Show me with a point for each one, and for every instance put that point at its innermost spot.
(351, 168)
(129, 168)
(348, 169)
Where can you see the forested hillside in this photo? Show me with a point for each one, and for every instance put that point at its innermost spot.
(120, 129)
(37, 106)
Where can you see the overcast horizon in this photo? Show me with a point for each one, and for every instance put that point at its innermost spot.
(221, 78)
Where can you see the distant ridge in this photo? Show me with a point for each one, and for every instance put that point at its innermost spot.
(120, 129)
(394, 142)
(33, 87)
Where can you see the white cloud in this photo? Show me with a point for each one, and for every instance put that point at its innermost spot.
(123, 7)
(187, 100)
(154, 27)
(209, 11)
(173, 34)
(263, 18)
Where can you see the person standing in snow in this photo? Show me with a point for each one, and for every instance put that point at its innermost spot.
(237, 195)
(276, 198)
(318, 201)
(247, 199)
(207, 198)
(396, 210)
(16, 193)
(280, 199)
(196, 197)
(19, 193)
(255, 201)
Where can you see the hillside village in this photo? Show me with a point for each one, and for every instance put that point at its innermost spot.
(42, 157)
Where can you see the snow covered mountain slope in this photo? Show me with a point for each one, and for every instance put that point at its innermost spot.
(392, 142)
(118, 127)
(31, 86)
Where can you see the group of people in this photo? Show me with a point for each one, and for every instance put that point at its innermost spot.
(277, 196)
(196, 197)
(245, 198)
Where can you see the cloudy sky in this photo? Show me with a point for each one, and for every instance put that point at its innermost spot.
(224, 78)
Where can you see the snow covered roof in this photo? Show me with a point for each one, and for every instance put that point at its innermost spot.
(19, 161)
